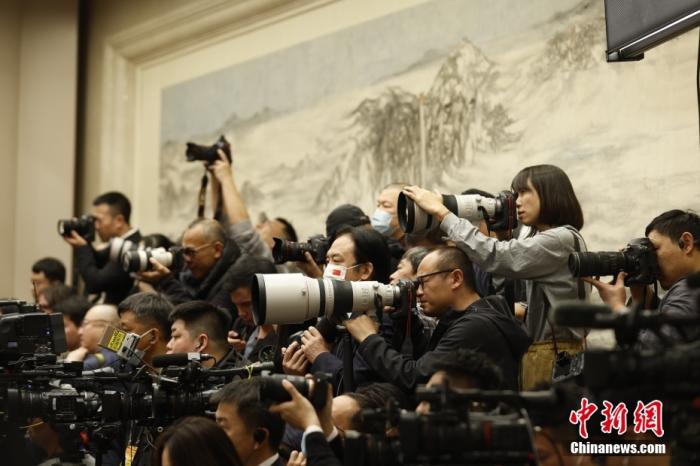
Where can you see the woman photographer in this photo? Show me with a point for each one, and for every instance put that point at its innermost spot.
(546, 202)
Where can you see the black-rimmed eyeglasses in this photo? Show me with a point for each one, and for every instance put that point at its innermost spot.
(420, 280)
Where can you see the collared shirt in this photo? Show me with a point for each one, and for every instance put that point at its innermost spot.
(271, 460)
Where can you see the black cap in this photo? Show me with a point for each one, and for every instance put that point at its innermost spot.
(342, 216)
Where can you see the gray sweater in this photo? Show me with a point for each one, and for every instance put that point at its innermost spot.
(540, 260)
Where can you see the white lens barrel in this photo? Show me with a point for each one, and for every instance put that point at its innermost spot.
(468, 206)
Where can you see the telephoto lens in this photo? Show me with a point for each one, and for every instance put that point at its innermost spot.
(139, 260)
(637, 260)
(286, 251)
(500, 212)
(118, 246)
(290, 298)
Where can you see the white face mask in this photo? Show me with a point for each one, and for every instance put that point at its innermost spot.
(337, 271)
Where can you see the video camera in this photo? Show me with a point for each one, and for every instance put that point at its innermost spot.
(499, 212)
(285, 251)
(290, 298)
(29, 333)
(453, 432)
(637, 260)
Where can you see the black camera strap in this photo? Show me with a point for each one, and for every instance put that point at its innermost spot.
(202, 197)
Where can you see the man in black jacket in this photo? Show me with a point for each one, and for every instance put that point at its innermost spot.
(446, 292)
(111, 212)
(208, 255)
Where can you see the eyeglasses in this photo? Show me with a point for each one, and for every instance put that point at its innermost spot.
(420, 281)
(191, 252)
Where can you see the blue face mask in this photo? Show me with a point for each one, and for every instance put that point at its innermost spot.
(381, 221)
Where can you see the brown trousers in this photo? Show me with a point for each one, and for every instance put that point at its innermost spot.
(538, 362)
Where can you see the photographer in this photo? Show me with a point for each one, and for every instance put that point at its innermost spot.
(146, 314)
(256, 241)
(199, 327)
(446, 292)
(254, 431)
(385, 218)
(111, 212)
(208, 254)
(248, 339)
(546, 203)
(73, 310)
(675, 235)
(316, 426)
(356, 254)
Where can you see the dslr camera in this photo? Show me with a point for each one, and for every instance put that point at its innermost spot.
(139, 260)
(208, 154)
(83, 226)
(271, 388)
(637, 260)
(285, 251)
(499, 212)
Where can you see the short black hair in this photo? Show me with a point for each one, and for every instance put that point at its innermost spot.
(288, 229)
(376, 395)
(415, 255)
(558, 202)
(674, 223)
(245, 394)
(370, 246)
(74, 307)
(52, 268)
(243, 271)
(57, 293)
(451, 257)
(195, 440)
(204, 318)
(118, 204)
(149, 307)
(473, 364)
(346, 215)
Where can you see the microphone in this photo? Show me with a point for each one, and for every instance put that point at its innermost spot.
(101, 371)
(179, 359)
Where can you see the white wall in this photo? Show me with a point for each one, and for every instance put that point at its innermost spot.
(38, 49)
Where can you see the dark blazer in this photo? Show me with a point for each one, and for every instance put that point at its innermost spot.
(102, 275)
(319, 452)
(487, 326)
(186, 288)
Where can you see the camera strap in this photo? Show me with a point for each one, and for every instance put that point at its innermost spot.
(202, 197)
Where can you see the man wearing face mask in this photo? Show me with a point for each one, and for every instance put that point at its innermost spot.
(356, 254)
(146, 314)
(385, 220)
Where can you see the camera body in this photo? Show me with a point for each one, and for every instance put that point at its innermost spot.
(285, 251)
(273, 391)
(83, 226)
(31, 333)
(139, 260)
(499, 212)
(637, 260)
(208, 154)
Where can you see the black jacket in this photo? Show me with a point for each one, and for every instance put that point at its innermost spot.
(486, 326)
(186, 288)
(102, 275)
(319, 452)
